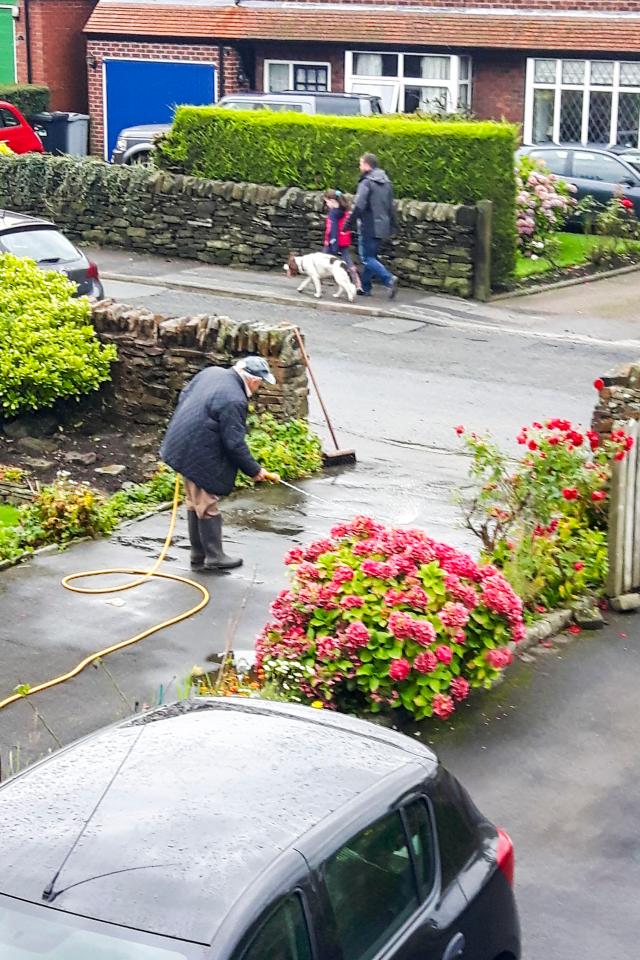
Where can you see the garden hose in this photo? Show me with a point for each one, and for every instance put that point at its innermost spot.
(142, 576)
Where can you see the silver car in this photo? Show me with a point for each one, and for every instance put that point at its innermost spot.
(40, 240)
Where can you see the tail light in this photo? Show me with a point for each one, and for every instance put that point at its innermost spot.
(505, 856)
(92, 272)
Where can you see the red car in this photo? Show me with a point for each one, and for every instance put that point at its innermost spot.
(16, 132)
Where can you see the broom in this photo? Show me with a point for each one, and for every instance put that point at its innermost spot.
(335, 457)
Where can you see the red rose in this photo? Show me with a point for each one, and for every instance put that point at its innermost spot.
(459, 429)
(532, 445)
(443, 706)
(598, 495)
(399, 669)
(574, 628)
(578, 565)
(570, 493)
(599, 384)
(626, 203)
(629, 443)
(619, 455)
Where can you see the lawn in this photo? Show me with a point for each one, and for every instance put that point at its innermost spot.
(574, 250)
(8, 515)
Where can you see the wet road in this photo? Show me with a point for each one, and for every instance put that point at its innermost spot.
(553, 760)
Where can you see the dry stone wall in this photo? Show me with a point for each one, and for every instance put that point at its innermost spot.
(438, 247)
(619, 400)
(158, 356)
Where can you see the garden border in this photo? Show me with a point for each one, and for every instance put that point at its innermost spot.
(560, 284)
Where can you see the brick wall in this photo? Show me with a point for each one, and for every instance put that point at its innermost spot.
(58, 50)
(302, 53)
(499, 86)
(98, 50)
(556, 6)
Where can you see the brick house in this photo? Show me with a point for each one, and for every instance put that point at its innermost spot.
(41, 41)
(566, 70)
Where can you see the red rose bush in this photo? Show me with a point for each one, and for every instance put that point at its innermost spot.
(379, 618)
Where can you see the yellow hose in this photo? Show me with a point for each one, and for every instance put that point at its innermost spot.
(142, 577)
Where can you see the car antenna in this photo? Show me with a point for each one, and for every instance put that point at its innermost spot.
(50, 893)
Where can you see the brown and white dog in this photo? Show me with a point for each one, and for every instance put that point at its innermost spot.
(315, 267)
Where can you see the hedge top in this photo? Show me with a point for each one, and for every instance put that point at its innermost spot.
(458, 162)
(29, 98)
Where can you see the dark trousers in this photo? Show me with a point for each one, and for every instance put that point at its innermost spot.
(368, 249)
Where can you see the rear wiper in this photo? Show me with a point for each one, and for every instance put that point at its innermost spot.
(50, 260)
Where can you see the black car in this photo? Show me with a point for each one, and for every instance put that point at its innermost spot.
(249, 830)
(598, 172)
(41, 241)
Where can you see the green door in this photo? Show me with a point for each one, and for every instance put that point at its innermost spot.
(7, 46)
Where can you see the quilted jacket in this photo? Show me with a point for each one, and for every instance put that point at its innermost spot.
(205, 440)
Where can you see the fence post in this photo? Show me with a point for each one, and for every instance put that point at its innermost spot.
(624, 520)
(482, 251)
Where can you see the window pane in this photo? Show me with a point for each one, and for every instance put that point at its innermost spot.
(465, 68)
(600, 118)
(630, 74)
(573, 71)
(456, 838)
(40, 245)
(427, 99)
(554, 160)
(427, 68)
(571, 116)
(278, 77)
(7, 119)
(543, 107)
(545, 71)
(602, 72)
(371, 888)
(283, 937)
(345, 106)
(310, 78)
(375, 64)
(464, 100)
(597, 166)
(421, 836)
(386, 91)
(628, 119)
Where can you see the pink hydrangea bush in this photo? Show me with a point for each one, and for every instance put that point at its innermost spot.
(380, 618)
(543, 203)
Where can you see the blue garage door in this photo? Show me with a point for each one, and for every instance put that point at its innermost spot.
(146, 91)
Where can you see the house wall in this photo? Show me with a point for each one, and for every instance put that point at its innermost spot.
(58, 49)
(302, 53)
(498, 87)
(97, 50)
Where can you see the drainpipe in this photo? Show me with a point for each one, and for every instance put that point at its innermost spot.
(220, 70)
(27, 40)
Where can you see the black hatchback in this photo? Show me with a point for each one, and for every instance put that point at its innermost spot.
(40, 240)
(248, 830)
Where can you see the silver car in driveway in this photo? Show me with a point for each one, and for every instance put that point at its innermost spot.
(40, 240)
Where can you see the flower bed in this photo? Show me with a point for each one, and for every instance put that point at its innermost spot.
(379, 618)
(543, 519)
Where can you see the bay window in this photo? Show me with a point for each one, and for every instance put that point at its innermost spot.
(406, 82)
(582, 101)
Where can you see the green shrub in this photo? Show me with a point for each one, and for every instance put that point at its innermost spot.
(460, 162)
(289, 448)
(29, 98)
(63, 511)
(48, 348)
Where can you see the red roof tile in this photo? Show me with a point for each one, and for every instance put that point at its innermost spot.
(383, 27)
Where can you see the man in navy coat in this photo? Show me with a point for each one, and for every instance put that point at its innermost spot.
(206, 442)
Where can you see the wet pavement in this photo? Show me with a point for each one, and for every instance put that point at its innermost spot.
(550, 754)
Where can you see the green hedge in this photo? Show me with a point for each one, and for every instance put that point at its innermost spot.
(29, 98)
(453, 162)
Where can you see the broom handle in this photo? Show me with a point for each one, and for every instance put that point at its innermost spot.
(315, 384)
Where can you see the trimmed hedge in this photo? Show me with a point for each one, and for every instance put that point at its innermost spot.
(29, 98)
(449, 162)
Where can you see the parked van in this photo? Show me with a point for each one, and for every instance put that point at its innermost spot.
(135, 143)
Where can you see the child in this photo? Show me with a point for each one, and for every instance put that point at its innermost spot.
(337, 240)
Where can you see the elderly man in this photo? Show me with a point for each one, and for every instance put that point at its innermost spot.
(206, 442)
(374, 213)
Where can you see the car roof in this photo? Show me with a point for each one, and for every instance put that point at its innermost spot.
(9, 220)
(201, 797)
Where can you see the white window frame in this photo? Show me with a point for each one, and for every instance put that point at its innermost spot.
(292, 64)
(400, 82)
(586, 87)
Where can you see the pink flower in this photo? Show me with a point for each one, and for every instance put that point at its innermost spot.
(459, 429)
(578, 565)
(417, 598)
(327, 648)
(399, 669)
(426, 662)
(315, 550)
(339, 531)
(295, 555)
(598, 496)
(443, 706)
(307, 571)
(444, 653)
(454, 615)
(357, 634)
(394, 598)
(423, 632)
(351, 602)
(401, 564)
(374, 568)
(570, 493)
(518, 631)
(459, 688)
(499, 659)
(400, 625)
(342, 574)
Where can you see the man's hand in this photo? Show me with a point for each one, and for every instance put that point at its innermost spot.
(266, 475)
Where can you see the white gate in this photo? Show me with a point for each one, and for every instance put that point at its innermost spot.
(624, 519)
